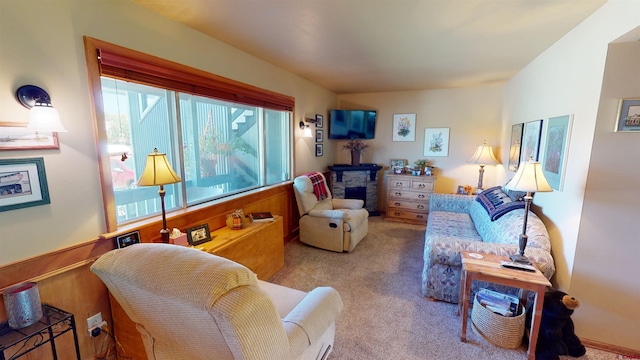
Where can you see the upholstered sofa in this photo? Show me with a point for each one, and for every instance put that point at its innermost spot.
(461, 222)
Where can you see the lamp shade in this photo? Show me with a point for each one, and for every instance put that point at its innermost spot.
(529, 178)
(44, 117)
(483, 155)
(158, 171)
(307, 132)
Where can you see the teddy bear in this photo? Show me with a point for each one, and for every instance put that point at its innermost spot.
(556, 336)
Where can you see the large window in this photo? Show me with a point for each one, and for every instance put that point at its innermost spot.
(219, 147)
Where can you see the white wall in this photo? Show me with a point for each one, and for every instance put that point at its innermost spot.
(567, 79)
(41, 44)
(607, 249)
(471, 114)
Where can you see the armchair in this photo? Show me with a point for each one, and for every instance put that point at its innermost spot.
(327, 223)
(188, 304)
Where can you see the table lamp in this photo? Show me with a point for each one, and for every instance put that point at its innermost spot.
(483, 156)
(158, 171)
(528, 178)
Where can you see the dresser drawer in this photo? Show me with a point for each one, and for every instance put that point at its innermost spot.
(408, 195)
(412, 216)
(422, 185)
(399, 184)
(398, 204)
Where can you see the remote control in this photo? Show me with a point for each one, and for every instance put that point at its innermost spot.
(517, 266)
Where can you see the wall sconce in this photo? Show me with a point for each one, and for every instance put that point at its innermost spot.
(306, 130)
(483, 156)
(43, 117)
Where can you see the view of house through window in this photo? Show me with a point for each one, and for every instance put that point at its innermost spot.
(219, 148)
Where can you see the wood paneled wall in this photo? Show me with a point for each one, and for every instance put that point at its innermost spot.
(65, 281)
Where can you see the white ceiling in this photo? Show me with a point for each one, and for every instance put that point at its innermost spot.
(357, 46)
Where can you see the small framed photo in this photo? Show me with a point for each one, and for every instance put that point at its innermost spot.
(128, 239)
(319, 135)
(319, 121)
(628, 115)
(23, 183)
(462, 190)
(319, 149)
(198, 234)
(397, 165)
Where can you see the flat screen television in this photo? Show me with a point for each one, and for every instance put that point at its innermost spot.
(352, 124)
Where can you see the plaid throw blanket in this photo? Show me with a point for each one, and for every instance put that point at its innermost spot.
(318, 185)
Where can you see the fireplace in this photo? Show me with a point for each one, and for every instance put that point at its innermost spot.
(356, 182)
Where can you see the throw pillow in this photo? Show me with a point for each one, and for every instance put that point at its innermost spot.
(497, 202)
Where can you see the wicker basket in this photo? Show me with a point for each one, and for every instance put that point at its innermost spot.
(499, 330)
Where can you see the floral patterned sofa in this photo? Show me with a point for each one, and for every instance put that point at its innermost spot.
(461, 222)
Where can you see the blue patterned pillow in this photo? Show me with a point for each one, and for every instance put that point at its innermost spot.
(497, 202)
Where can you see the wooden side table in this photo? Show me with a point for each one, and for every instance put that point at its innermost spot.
(488, 269)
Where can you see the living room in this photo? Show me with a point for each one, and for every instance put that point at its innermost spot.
(592, 223)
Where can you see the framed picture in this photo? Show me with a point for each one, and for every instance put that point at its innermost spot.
(628, 118)
(462, 191)
(20, 138)
(319, 149)
(319, 121)
(397, 165)
(514, 149)
(128, 239)
(436, 142)
(319, 135)
(23, 183)
(531, 140)
(556, 150)
(404, 127)
(198, 234)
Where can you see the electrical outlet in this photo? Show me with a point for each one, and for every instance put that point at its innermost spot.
(94, 321)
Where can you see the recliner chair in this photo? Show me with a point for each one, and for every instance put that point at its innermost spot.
(327, 223)
(189, 304)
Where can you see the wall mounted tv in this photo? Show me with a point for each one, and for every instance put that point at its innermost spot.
(352, 124)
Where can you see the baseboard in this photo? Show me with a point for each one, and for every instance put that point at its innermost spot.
(619, 350)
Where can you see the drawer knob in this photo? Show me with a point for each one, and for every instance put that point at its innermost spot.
(397, 203)
(419, 216)
(421, 185)
(396, 213)
(421, 196)
(420, 206)
(398, 193)
(398, 184)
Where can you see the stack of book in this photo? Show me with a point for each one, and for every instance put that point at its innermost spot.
(499, 303)
(263, 216)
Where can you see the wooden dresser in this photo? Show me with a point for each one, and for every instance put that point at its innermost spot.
(408, 197)
(259, 246)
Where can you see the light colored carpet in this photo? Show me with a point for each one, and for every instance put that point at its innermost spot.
(385, 316)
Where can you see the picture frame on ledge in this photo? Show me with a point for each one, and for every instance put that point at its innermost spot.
(319, 150)
(198, 234)
(515, 147)
(397, 165)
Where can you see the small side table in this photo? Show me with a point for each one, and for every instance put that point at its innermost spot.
(488, 269)
(54, 323)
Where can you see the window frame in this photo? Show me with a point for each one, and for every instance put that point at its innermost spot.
(103, 58)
